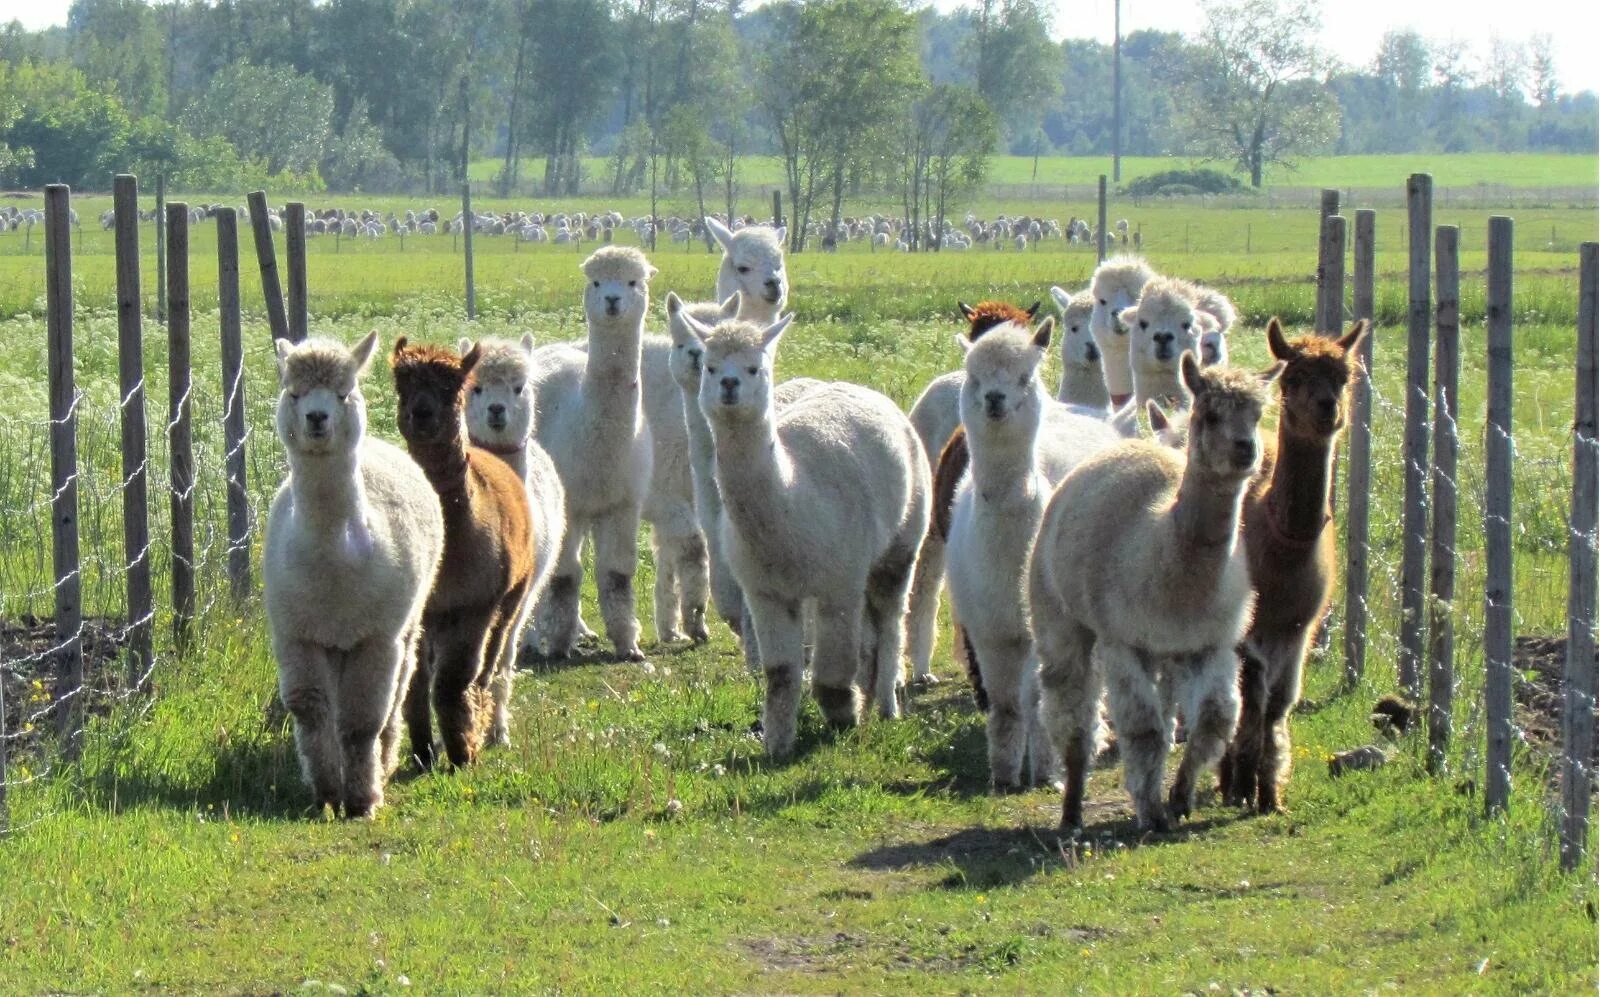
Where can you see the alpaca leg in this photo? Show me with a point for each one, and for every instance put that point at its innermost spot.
(837, 661)
(888, 598)
(389, 740)
(369, 686)
(666, 588)
(304, 676)
(725, 591)
(1208, 687)
(775, 625)
(923, 623)
(616, 557)
(417, 706)
(1043, 764)
(1143, 734)
(557, 617)
(459, 648)
(1285, 667)
(694, 584)
(1002, 662)
(1242, 760)
(1070, 685)
(752, 646)
(513, 611)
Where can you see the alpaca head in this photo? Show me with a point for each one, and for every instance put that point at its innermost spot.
(1171, 428)
(429, 382)
(320, 409)
(1163, 324)
(1115, 286)
(686, 359)
(736, 379)
(499, 400)
(985, 315)
(1216, 315)
(1225, 417)
(618, 291)
(1077, 343)
(752, 263)
(1002, 384)
(1317, 371)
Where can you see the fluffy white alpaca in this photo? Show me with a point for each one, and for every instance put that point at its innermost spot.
(1218, 317)
(1116, 285)
(752, 264)
(1139, 586)
(1021, 444)
(589, 416)
(826, 500)
(500, 420)
(1083, 379)
(682, 585)
(1167, 322)
(353, 543)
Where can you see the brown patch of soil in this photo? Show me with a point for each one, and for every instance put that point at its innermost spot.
(28, 662)
(1540, 665)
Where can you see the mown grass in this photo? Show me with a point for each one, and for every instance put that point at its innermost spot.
(174, 856)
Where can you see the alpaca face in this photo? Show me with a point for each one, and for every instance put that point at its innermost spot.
(618, 289)
(1213, 342)
(1116, 286)
(320, 409)
(429, 384)
(752, 262)
(1077, 341)
(499, 401)
(1315, 379)
(1226, 417)
(736, 380)
(1163, 325)
(1002, 385)
(686, 360)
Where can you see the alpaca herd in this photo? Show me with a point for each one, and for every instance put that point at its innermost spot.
(1099, 568)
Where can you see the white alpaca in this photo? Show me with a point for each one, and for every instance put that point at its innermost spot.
(1083, 379)
(1139, 586)
(589, 416)
(752, 264)
(1167, 322)
(500, 420)
(826, 501)
(1116, 285)
(1218, 315)
(1021, 444)
(682, 585)
(353, 543)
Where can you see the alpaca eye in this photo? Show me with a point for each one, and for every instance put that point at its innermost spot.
(753, 371)
(478, 390)
(1212, 419)
(1073, 328)
(293, 397)
(744, 269)
(344, 398)
(1102, 301)
(1022, 382)
(517, 391)
(597, 283)
(1143, 324)
(710, 369)
(1186, 325)
(633, 283)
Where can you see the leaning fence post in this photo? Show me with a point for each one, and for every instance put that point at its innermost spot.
(1358, 518)
(233, 403)
(64, 468)
(1100, 233)
(180, 443)
(294, 247)
(135, 445)
(1446, 443)
(267, 258)
(1413, 564)
(470, 223)
(1577, 716)
(1497, 522)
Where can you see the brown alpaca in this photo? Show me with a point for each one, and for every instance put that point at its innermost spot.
(1291, 554)
(469, 625)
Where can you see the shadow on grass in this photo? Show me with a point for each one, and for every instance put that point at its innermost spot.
(255, 774)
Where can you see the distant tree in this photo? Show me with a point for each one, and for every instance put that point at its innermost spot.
(1453, 77)
(1505, 72)
(269, 113)
(121, 47)
(1010, 58)
(1542, 82)
(1255, 94)
(13, 155)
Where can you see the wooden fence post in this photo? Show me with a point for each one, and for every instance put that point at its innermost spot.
(294, 247)
(468, 220)
(1413, 564)
(267, 259)
(1577, 723)
(1330, 275)
(1497, 522)
(1446, 444)
(180, 442)
(1330, 202)
(135, 445)
(1100, 233)
(777, 209)
(233, 403)
(64, 469)
(161, 246)
(1357, 520)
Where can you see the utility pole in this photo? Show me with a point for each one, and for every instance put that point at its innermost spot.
(1116, 95)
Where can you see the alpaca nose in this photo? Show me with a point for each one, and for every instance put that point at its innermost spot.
(995, 401)
(1244, 451)
(1327, 408)
(613, 303)
(497, 411)
(316, 422)
(1091, 352)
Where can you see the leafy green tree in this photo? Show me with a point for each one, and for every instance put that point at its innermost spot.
(121, 47)
(270, 113)
(1012, 61)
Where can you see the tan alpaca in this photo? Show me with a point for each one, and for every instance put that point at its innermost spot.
(1139, 587)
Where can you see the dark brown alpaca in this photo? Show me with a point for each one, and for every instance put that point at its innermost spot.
(1291, 554)
(487, 571)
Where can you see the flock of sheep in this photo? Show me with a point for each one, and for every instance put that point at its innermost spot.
(1096, 570)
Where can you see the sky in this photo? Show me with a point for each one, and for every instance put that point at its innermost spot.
(1351, 28)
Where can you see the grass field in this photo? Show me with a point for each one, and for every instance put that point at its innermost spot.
(175, 857)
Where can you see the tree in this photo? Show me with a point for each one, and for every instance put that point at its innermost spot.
(269, 113)
(944, 144)
(1012, 61)
(1542, 82)
(1255, 93)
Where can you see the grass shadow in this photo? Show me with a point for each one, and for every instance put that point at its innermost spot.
(254, 774)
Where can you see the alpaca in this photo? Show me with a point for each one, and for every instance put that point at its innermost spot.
(480, 597)
(1292, 555)
(1214, 341)
(1138, 586)
(1115, 286)
(1021, 443)
(1166, 322)
(589, 416)
(500, 420)
(825, 501)
(936, 415)
(353, 543)
(752, 264)
(1083, 379)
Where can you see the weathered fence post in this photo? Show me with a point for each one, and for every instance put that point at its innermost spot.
(267, 259)
(1330, 275)
(468, 220)
(1497, 522)
(777, 209)
(135, 446)
(180, 442)
(1413, 564)
(1358, 518)
(161, 247)
(294, 247)
(1446, 443)
(1577, 716)
(233, 403)
(1100, 233)
(64, 468)
(1330, 202)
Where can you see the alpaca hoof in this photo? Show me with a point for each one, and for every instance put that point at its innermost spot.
(1007, 788)
(670, 637)
(1179, 807)
(499, 738)
(1156, 824)
(924, 680)
(698, 633)
(361, 809)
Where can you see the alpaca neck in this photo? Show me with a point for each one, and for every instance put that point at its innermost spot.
(753, 473)
(330, 497)
(757, 310)
(443, 461)
(516, 457)
(1297, 498)
(1003, 460)
(1084, 384)
(1205, 520)
(701, 445)
(613, 366)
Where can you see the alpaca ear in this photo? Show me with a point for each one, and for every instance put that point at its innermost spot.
(1159, 420)
(362, 352)
(399, 347)
(1041, 335)
(1124, 421)
(730, 307)
(719, 232)
(696, 329)
(527, 342)
(470, 359)
(650, 271)
(963, 342)
(283, 348)
(1128, 316)
(674, 303)
(1060, 297)
(1191, 374)
(783, 233)
(967, 311)
(1272, 373)
(769, 338)
(463, 345)
(1352, 339)
(1033, 309)
(1276, 343)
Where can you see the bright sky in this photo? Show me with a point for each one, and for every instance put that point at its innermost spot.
(1351, 28)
